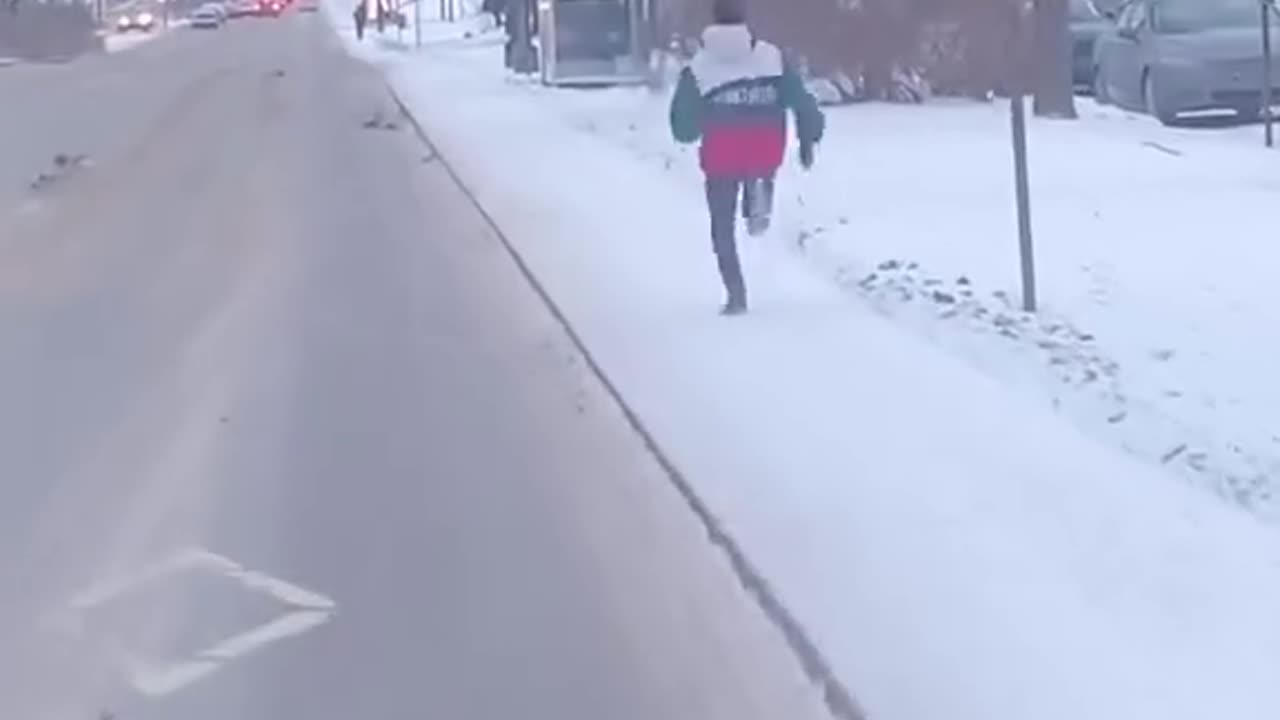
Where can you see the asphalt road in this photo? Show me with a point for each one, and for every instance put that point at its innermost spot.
(257, 330)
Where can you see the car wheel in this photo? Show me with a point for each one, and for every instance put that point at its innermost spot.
(1100, 88)
(1152, 102)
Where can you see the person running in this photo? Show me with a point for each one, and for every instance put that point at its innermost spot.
(734, 97)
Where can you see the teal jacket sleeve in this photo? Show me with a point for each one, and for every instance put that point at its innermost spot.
(686, 109)
(811, 123)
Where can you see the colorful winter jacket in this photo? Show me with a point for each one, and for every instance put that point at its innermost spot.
(734, 96)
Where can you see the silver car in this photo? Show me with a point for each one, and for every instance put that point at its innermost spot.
(1168, 57)
(1087, 20)
(207, 16)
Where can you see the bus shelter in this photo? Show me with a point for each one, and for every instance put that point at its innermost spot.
(593, 42)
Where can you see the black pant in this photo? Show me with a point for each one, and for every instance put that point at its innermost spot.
(722, 202)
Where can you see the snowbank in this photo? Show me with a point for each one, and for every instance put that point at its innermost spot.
(956, 550)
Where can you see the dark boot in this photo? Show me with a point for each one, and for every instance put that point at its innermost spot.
(734, 306)
(735, 288)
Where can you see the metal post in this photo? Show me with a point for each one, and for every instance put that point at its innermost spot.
(1266, 73)
(640, 36)
(1022, 189)
(417, 24)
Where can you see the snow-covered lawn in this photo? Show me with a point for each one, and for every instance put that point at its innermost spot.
(1154, 253)
(956, 548)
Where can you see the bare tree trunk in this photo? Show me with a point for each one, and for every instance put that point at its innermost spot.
(1054, 93)
(991, 37)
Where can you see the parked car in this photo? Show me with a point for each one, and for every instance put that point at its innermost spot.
(206, 17)
(1169, 57)
(142, 22)
(1088, 19)
(270, 8)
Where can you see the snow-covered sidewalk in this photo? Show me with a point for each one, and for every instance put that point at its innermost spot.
(1156, 279)
(956, 549)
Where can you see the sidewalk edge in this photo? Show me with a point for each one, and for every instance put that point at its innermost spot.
(839, 701)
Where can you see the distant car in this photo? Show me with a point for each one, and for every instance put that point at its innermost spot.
(1169, 57)
(206, 17)
(270, 8)
(242, 8)
(142, 22)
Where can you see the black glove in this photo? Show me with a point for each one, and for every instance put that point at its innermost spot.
(806, 155)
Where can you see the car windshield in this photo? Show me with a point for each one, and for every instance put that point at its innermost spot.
(1190, 16)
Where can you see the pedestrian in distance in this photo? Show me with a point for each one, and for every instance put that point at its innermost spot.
(360, 15)
(734, 97)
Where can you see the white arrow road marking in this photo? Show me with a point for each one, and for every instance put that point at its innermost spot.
(287, 626)
(160, 681)
(109, 590)
(157, 683)
(285, 592)
(306, 610)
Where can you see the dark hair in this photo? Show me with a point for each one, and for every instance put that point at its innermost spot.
(729, 12)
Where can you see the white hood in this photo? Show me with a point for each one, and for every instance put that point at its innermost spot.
(727, 43)
(729, 54)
